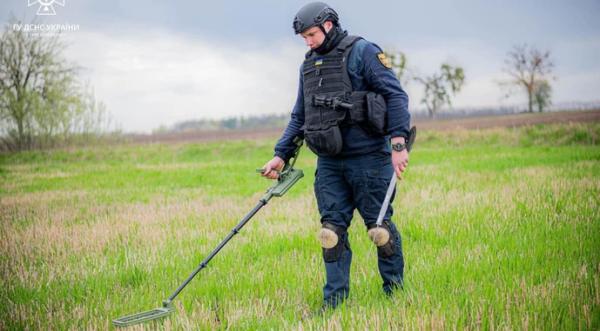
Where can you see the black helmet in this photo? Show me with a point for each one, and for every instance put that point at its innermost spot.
(314, 14)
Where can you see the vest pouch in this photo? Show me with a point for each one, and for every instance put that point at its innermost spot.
(376, 123)
(358, 113)
(324, 142)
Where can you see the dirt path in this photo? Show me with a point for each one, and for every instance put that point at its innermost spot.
(482, 122)
(515, 120)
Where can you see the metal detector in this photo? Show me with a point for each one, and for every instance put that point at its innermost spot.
(287, 178)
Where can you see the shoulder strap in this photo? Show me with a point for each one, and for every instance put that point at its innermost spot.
(344, 49)
(347, 42)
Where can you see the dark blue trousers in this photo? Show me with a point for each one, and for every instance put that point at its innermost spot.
(345, 184)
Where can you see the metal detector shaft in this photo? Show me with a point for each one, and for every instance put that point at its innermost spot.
(388, 195)
(386, 201)
(204, 263)
(287, 178)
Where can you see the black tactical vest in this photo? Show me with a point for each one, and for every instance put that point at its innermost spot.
(329, 101)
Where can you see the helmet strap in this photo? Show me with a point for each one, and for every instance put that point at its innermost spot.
(323, 29)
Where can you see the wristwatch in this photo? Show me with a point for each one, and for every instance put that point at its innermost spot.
(398, 147)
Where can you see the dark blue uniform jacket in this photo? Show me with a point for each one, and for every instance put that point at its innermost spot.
(367, 73)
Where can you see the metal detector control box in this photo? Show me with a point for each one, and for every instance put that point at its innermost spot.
(286, 180)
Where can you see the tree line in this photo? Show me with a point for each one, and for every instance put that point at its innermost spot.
(255, 122)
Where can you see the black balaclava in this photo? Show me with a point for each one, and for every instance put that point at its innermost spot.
(332, 39)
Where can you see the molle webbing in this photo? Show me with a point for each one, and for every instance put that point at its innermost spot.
(326, 75)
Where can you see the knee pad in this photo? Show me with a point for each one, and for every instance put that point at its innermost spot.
(330, 236)
(379, 235)
(383, 238)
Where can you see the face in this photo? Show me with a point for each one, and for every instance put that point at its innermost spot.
(314, 37)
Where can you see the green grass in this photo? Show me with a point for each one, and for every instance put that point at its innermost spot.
(500, 227)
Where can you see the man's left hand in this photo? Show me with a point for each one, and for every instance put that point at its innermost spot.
(400, 162)
(399, 159)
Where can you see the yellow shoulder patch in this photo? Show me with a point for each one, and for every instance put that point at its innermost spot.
(384, 60)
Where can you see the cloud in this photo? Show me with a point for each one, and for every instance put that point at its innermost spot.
(152, 78)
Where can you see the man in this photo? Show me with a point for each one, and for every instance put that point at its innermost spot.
(346, 83)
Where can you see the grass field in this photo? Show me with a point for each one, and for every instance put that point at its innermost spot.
(501, 230)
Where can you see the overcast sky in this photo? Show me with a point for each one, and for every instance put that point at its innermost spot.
(157, 63)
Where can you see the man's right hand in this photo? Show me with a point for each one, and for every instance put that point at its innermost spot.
(273, 167)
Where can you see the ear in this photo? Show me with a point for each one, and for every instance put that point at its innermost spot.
(327, 25)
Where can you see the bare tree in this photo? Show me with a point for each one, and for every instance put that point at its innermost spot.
(529, 68)
(41, 100)
(440, 86)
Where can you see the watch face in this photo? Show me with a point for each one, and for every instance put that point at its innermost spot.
(398, 147)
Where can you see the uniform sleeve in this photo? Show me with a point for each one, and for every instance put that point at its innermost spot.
(285, 146)
(382, 80)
